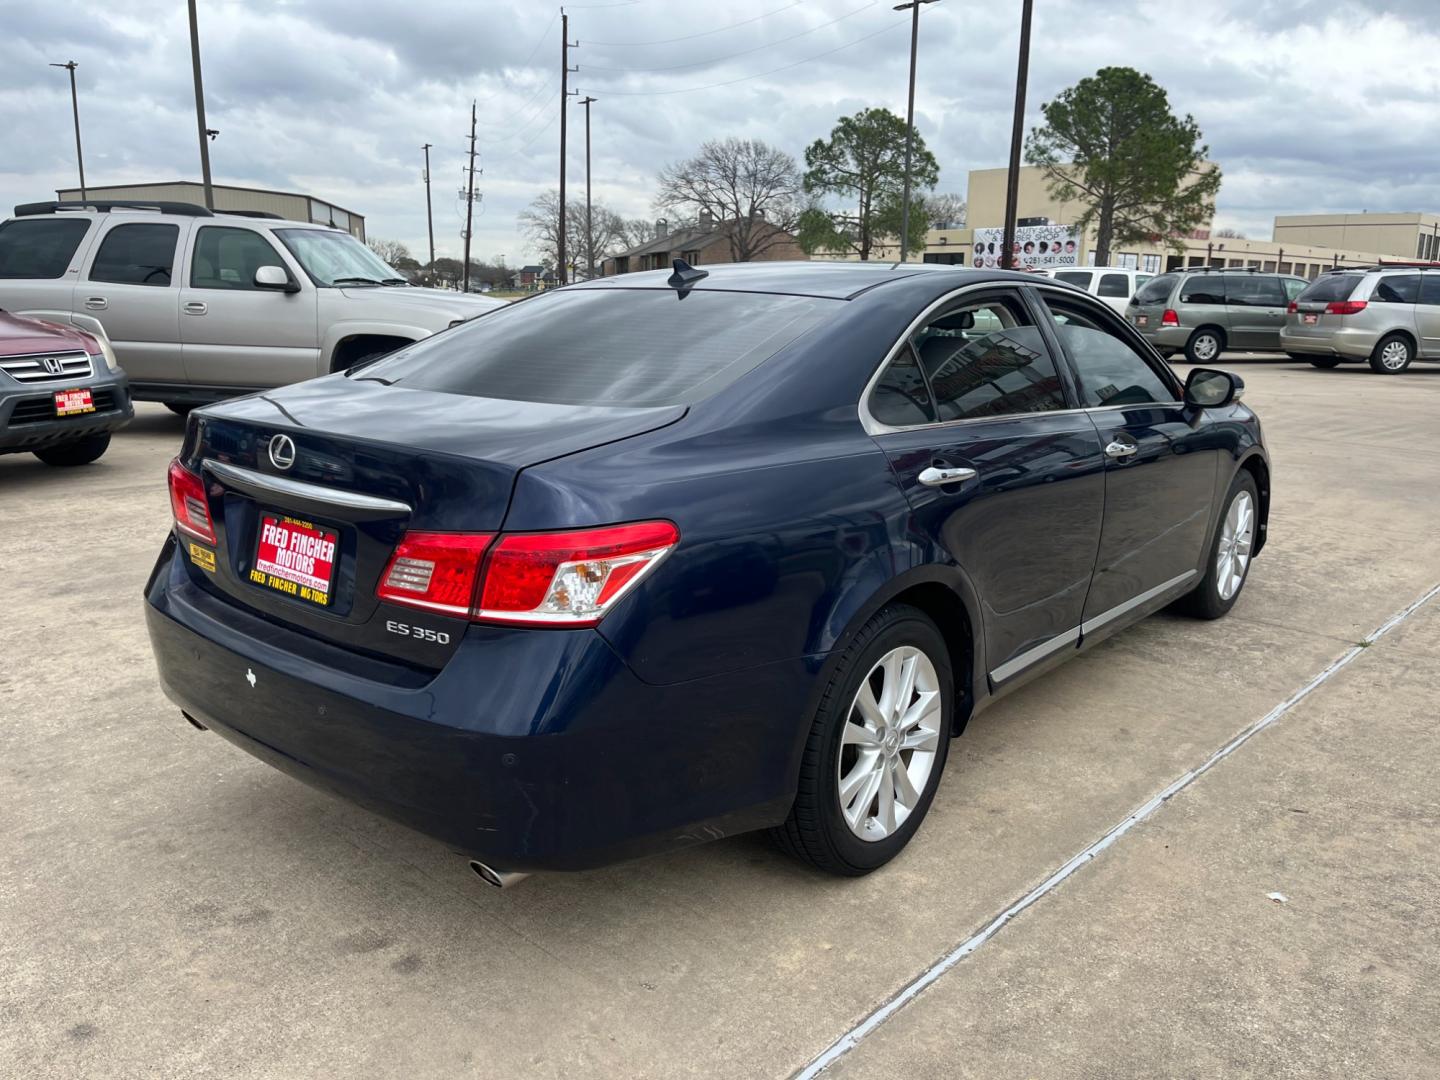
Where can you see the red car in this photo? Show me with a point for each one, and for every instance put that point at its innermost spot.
(61, 392)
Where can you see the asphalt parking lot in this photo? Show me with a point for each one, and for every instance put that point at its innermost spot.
(170, 907)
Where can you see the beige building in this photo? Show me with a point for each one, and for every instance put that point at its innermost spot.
(1401, 236)
(287, 204)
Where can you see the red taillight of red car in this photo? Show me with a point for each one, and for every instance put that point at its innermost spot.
(1345, 307)
(572, 578)
(1169, 318)
(435, 572)
(188, 503)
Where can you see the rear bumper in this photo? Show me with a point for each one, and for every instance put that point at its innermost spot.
(1166, 337)
(1353, 343)
(531, 749)
(27, 420)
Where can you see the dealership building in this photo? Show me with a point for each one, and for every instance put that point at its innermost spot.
(1303, 244)
(290, 205)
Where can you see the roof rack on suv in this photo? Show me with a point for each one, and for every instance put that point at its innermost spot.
(1224, 270)
(1397, 265)
(251, 214)
(104, 206)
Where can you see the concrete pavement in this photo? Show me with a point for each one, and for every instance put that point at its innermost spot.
(171, 907)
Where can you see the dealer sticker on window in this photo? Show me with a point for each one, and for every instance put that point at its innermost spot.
(295, 557)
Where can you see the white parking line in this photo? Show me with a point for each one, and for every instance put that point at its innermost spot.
(851, 1038)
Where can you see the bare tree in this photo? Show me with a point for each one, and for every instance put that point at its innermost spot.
(637, 231)
(540, 222)
(750, 189)
(1229, 234)
(390, 250)
(943, 211)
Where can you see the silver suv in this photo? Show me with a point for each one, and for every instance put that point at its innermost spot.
(200, 305)
(1388, 315)
(1203, 312)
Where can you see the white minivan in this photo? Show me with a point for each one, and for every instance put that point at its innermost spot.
(1115, 285)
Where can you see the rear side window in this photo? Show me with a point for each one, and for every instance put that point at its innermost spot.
(1075, 277)
(1117, 285)
(901, 398)
(1331, 287)
(1203, 289)
(1156, 290)
(39, 247)
(1396, 289)
(136, 255)
(625, 347)
(1430, 289)
(1254, 290)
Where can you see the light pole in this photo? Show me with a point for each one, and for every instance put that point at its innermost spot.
(70, 66)
(429, 217)
(200, 109)
(1012, 182)
(914, 8)
(589, 225)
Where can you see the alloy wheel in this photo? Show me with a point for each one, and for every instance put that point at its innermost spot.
(1394, 356)
(1232, 557)
(1206, 347)
(888, 748)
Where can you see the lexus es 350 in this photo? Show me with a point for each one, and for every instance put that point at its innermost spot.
(662, 558)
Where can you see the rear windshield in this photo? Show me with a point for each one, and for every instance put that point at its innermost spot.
(1156, 290)
(1331, 287)
(39, 247)
(628, 347)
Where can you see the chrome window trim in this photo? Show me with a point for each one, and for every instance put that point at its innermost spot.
(253, 483)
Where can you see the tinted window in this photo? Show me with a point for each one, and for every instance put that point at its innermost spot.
(901, 398)
(625, 347)
(1075, 277)
(228, 258)
(136, 255)
(39, 247)
(1111, 372)
(1203, 289)
(1294, 286)
(1396, 289)
(1331, 287)
(1430, 289)
(1254, 290)
(1156, 290)
(1113, 285)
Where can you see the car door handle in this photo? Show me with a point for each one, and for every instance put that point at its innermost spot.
(938, 477)
(96, 303)
(1118, 449)
(196, 307)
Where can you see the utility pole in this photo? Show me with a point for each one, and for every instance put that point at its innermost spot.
(70, 66)
(1012, 182)
(200, 109)
(429, 217)
(469, 196)
(589, 224)
(914, 8)
(565, 92)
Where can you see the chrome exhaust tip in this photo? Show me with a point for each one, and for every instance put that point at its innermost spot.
(501, 879)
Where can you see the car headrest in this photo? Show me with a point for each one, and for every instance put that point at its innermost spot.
(956, 320)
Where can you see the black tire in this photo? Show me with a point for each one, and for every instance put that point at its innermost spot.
(1392, 354)
(1206, 600)
(80, 452)
(1326, 362)
(179, 409)
(1200, 336)
(816, 831)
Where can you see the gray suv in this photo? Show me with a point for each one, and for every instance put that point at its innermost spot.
(200, 305)
(1203, 312)
(1386, 315)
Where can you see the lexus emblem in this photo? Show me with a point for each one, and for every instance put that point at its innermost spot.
(53, 364)
(282, 451)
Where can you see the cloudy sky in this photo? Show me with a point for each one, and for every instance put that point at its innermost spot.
(1308, 105)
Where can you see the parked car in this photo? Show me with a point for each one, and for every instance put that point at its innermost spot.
(61, 392)
(1204, 312)
(1113, 284)
(644, 562)
(1387, 315)
(201, 305)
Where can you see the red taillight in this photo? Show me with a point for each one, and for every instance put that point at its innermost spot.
(570, 578)
(1293, 308)
(435, 572)
(1345, 307)
(187, 503)
(1169, 318)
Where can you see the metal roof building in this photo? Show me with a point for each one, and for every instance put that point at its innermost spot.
(288, 204)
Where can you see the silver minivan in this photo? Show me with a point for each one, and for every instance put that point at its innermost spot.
(1203, 312)
(1386, 315)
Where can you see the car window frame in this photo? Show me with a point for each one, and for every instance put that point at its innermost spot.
(1105, 315)
(194, 244)
(967, 295)
(112, 226)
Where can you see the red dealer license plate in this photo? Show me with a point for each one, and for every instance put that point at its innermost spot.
(1309, 319)
(295, 557)
(72, 402)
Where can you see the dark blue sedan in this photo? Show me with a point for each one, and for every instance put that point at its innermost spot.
(662, 558)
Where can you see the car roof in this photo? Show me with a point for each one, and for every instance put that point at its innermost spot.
(831, 280)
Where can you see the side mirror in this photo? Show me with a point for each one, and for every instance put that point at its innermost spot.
(1209, 388)
(275, 277)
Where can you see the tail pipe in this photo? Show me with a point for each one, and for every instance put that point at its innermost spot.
(501, 879)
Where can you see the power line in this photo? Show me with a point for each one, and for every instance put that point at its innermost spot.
(703, 33)
(526, 62)
(758, 75)
(742, 52)
(554, 118)
(543, 89)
